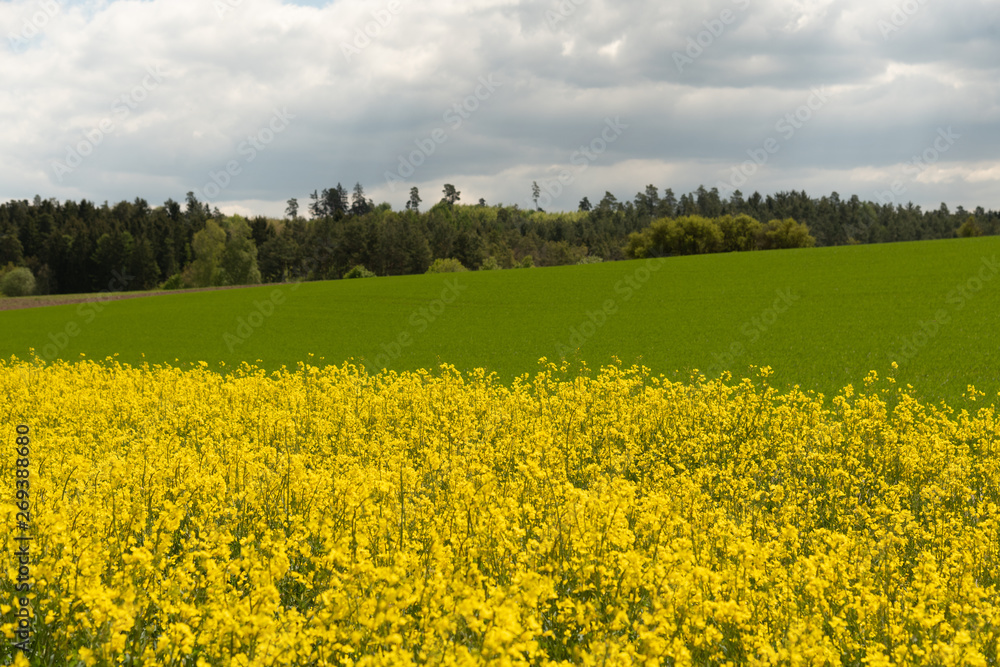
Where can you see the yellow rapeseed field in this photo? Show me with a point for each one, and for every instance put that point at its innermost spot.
(332, 517)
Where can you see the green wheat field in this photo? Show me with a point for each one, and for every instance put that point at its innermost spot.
(821, 318)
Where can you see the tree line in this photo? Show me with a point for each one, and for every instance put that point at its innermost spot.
(80, 247)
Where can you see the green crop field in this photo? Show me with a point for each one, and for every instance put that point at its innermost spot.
(821, 318)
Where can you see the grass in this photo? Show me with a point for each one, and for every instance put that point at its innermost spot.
(846, 310)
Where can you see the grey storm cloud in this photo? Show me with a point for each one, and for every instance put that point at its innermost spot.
(117, 99)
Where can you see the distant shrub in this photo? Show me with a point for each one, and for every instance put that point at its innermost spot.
(591, 259)
(687, 235)
(18, 282)
(970, 229)
(739, 233)
(175, 281)
(690, 235)
(489, 264)
(359, 271)
(450, 265)
(785, 233)
(639, 244)
(528, 262)
(560, 253)
(695, 235)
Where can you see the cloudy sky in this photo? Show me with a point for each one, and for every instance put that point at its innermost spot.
(251, 102)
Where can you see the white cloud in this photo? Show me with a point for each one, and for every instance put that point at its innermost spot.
(407, 64)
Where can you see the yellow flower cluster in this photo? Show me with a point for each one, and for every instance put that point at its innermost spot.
(332, 517)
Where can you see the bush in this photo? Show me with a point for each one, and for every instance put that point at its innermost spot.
(489, 264)
(450, 265)
(739, 233)
(695, 235)
(18, 282)
(591, 259)
(359, 271)
(687, 235)
(639, 245)
(969, 229)
(528, 262)
(787, 233)
(175, 281)
(692, 235)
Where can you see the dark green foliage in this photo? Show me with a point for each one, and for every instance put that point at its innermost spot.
(261, 229)
(451, 195)
(332, 203)
(359, 204)
(11, 250)
(413, 204)
(276, 256)
(77, 247)
(111, 256)
(143, 271)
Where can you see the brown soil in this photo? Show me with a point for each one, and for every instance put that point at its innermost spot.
(8, 303)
